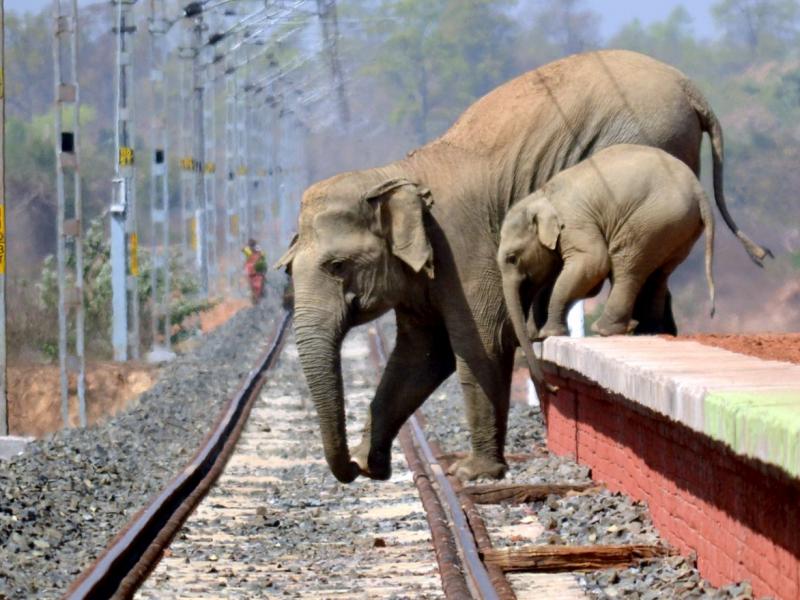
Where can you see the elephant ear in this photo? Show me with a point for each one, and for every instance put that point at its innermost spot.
(401, 205)
(548, 223)
(288, 257)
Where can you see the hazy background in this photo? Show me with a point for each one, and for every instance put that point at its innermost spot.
(410, 68)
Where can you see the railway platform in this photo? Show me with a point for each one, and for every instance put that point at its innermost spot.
(710, 439)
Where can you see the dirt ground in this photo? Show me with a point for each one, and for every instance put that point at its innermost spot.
(34, 397)
(213, 318)
(771, 346)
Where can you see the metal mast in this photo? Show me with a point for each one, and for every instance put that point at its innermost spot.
(3, 370)
(229, 189)
(210, 165)
(69, 250)
(245, 231)
(124, 238)
(201, 207)
(326, 9)
(160, 280)
(188, 228)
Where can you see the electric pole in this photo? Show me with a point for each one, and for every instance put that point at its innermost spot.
(124, 237)
(69, 245)
(160, 276)
(3, 245)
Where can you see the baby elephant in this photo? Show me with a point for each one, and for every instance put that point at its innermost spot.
(630, 213)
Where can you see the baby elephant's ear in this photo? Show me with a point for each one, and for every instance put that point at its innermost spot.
(548, 223)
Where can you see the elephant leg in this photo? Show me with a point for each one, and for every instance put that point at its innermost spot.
(421, 360)
(579, 276)
(486, 389)
(616, 317)
(537, 315)
(653, 308)
(484, 345)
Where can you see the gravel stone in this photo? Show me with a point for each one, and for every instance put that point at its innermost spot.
(594, 518)
(271, 527)
(64, 499)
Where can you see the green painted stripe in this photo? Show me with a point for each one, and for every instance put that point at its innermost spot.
(763, 424)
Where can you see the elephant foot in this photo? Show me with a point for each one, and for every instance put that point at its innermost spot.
(372, 464)
(606, 327)
(472, 467)
(360, 456)
(552, 329)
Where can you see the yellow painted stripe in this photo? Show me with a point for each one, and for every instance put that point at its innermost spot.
(2, 239)
(134, 244)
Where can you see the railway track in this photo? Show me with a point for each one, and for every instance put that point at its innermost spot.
(130, 556)
(469, 564)
(277, 523)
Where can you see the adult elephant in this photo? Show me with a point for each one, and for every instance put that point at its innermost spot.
(420, 236)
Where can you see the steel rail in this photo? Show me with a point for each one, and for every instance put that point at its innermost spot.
(476, 575)
(134, 552)
(476, 524)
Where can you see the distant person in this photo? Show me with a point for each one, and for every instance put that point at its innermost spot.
(256, 268)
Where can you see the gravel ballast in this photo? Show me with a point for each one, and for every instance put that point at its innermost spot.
(277, 523)
(67, 496)
(599, 517)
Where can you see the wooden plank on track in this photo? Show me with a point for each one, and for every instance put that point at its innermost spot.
(553, 559)
(519, 494)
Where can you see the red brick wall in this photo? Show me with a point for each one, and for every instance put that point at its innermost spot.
(742, 518)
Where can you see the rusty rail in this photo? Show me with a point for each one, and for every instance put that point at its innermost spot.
(134, 552)
(472, 579)
(476, 524)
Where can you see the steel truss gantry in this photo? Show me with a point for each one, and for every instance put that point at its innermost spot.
(69, 245)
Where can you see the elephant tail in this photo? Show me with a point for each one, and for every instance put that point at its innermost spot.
(710, 124)
(707, 216)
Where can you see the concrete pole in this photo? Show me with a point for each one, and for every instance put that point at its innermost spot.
(69, 241)
(201, 208)
(124, 237)
(3, 368)
(160, 276)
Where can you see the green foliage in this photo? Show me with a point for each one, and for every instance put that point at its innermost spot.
(436, 57)
(671, 40)
(184, 300)
(565, 27)
(763, 28)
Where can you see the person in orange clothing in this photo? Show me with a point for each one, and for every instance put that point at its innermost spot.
(256, 268)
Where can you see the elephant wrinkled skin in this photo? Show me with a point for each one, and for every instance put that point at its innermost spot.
(419, 236)
(628, 213)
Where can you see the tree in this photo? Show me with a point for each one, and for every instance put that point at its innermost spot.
(762, 26)
(437, 56)
(568, 27)
(670, 40)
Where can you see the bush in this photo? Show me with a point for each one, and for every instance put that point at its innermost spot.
(184, 295)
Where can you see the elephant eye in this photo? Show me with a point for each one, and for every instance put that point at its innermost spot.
(336, 267)
(511, 259)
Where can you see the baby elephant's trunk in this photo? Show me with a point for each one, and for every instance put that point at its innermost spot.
(514, 304)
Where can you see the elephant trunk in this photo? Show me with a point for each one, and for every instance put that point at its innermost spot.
(514, 304)
(319, 333)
